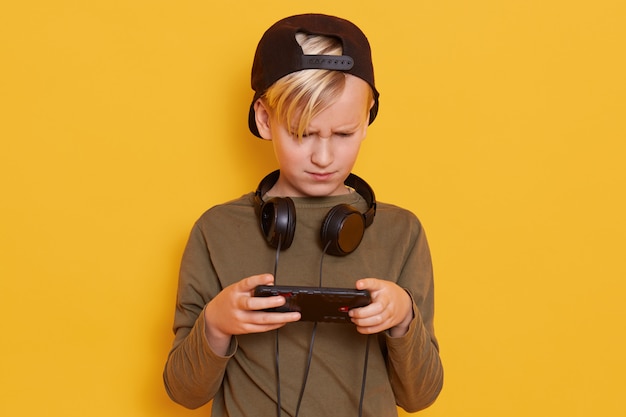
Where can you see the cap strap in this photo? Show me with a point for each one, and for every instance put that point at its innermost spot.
(329, 62)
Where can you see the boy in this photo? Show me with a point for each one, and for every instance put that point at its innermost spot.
(314, 99)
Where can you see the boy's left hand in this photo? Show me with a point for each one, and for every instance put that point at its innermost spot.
(391, 308)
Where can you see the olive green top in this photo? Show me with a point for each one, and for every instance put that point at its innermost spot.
(226, 245)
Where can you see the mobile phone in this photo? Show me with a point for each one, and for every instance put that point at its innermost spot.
(316, 303)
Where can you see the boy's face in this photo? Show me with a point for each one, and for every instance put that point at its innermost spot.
(318, 164)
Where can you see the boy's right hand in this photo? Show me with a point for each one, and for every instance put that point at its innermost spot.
(235, 310)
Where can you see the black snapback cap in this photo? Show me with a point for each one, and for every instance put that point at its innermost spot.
(279, 54)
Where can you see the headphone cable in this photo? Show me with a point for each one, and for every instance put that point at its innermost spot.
(276, 358)
(310, 354)
(367, 351)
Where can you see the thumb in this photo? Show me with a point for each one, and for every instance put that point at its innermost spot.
(371, 284)
(252, 282)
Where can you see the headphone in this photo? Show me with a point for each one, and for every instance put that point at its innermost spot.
(342, 228)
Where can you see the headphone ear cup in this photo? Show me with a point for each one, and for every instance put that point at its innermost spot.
(278, 221)
(342, 230)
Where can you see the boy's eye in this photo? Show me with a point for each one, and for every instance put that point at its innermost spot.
(337, 134)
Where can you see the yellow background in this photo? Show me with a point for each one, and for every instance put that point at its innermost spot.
(502, 126)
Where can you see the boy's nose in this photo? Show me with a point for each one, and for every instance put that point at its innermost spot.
(322, 153)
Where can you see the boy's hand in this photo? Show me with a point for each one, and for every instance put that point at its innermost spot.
(391, 308)
(234, 311)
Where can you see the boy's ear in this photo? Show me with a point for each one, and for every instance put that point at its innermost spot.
(369, 111)
(262, 118)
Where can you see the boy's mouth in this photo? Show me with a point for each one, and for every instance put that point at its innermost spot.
(321, 176)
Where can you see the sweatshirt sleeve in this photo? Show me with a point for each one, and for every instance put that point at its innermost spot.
(193, 372)
(414, 366)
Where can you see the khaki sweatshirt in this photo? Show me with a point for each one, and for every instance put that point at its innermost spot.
(226, 244)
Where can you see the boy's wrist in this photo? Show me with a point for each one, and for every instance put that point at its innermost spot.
(218, 341)
(403, 327)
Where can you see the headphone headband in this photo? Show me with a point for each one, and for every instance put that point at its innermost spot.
(341, 231)
(353, 181)
(365, 191)
(264, 186)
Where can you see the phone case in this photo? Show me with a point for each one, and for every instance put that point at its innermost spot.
(322, 304)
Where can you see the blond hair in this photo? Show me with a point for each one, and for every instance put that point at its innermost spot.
(300, 96)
